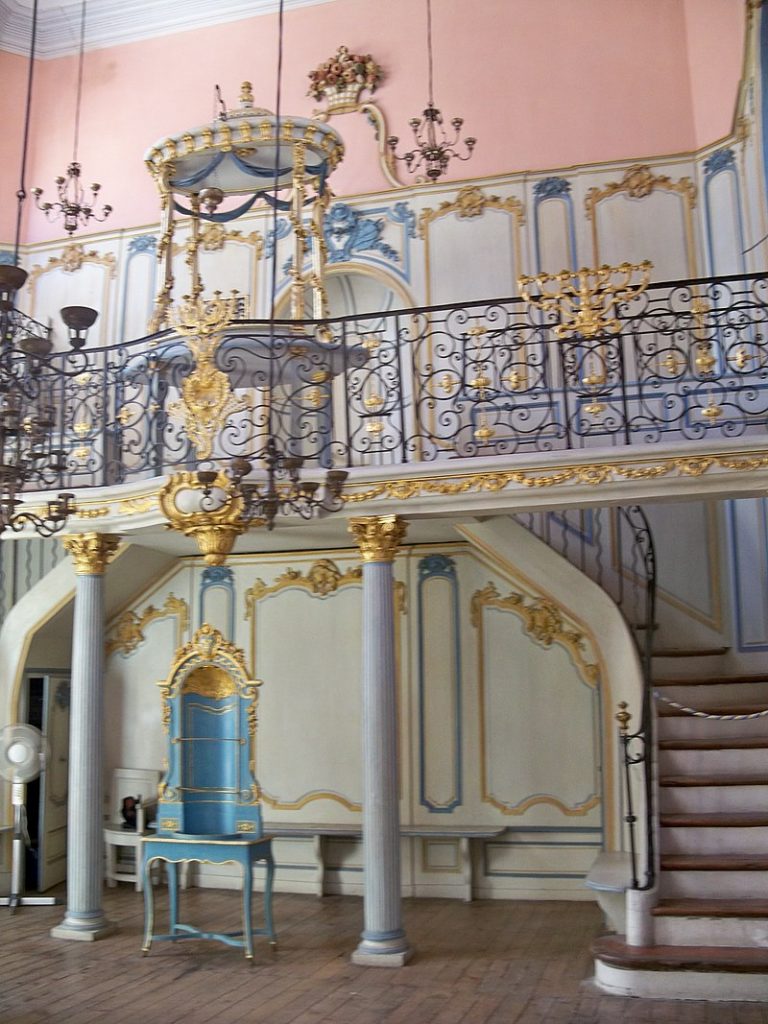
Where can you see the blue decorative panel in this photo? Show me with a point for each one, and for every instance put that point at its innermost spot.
(7, 259)
(559, 189)
(218, 577)
(723, 161)
(142, 245)
(748, 535)
(431, 568)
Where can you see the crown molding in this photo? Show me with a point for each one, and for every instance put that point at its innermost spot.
(113, 22)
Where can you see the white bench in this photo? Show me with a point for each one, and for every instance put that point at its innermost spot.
(318, 832)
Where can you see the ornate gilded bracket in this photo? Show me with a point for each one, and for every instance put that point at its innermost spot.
(214, 529)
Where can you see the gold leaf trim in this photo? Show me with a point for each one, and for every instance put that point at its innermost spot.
(129, 630)
(309, 798)
(471, 201)
(638, 182)
(72, 258)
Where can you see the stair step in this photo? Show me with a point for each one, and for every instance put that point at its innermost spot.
(691, 907)
(716, 743)
(723, 819)
(713, 780)
(711, 680)
(667, 711)
(714, 862)
(611, 949)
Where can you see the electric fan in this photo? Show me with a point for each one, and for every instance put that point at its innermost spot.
(23, 753)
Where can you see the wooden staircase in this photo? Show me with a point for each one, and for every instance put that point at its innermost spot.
(710, 922)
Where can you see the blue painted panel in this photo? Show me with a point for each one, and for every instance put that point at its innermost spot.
(553, 188)
(218, 576)
(441, 567)
(748, 536)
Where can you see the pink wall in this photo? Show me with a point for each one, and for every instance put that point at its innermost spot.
(709, 52)
(541, 83)
(13, 76)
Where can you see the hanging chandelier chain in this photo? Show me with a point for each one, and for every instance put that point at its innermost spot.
(21, 195)
(429, 53)
(79, 99)
(433, 149)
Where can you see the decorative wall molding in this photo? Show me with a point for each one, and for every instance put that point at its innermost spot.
(471, 201)
(128, 632)
(113, 22)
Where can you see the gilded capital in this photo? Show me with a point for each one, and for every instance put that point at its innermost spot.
(91, 552)
(378, 536)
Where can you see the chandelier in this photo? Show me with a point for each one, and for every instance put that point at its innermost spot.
(30, 449)
(74, 204)
(434, 149)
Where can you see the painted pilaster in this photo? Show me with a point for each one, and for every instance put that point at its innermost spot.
(383, 942)
(84, 918)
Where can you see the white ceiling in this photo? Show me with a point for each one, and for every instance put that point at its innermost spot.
(110, 22)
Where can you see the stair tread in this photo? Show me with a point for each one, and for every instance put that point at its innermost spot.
(693, 907)
(724, 743)
(719, 819)
(714, 862)
(711, 680)
(667, 711)
(612, 949)
(720, 779)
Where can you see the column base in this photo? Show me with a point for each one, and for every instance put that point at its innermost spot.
(83, 930)
(382, 953)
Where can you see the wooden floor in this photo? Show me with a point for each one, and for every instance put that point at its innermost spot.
(501, 962)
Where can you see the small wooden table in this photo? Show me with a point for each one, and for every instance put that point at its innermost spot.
(182, 849)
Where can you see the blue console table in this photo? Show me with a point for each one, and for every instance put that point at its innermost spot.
(211, 849)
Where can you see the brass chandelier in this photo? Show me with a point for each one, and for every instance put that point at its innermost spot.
(434, 148)
(75, 205)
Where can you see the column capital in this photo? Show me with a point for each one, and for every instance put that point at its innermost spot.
(378, 536)
(91, 552)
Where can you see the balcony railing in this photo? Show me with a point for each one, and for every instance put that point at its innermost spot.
(689, 362)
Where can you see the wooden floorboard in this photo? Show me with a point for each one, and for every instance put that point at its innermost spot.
(488, 962)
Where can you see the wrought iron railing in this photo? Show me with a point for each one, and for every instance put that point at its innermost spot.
(690, 362)
(614, 547)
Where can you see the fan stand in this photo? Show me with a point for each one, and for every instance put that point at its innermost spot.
(20, 840)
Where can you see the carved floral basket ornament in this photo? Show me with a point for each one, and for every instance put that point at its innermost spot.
(342, 78)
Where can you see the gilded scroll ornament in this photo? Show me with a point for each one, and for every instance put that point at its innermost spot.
(471, 202)
(91, 552)
(129, 630)
(378, 537)
(542, 620)
(638, 182)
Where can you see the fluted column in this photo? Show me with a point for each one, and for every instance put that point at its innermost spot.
(85, 918)
(383, 942)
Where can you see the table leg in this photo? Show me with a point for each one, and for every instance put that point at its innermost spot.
(268, 901)
(173, 894)
(247, 900)
(149, 907)
(319, 851)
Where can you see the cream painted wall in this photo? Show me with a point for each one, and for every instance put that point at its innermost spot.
(481, 708)
(586, 82)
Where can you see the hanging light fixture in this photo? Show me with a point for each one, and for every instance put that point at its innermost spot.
(434, 149)
(74, 204)
(220, 500)
(28, 449)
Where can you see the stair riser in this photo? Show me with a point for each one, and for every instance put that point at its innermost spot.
(688, 727)
(713, 840)
(711, 762)
(710, 931)
(703, 799)
(714, 885)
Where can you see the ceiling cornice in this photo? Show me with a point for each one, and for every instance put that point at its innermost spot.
(112, 22)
